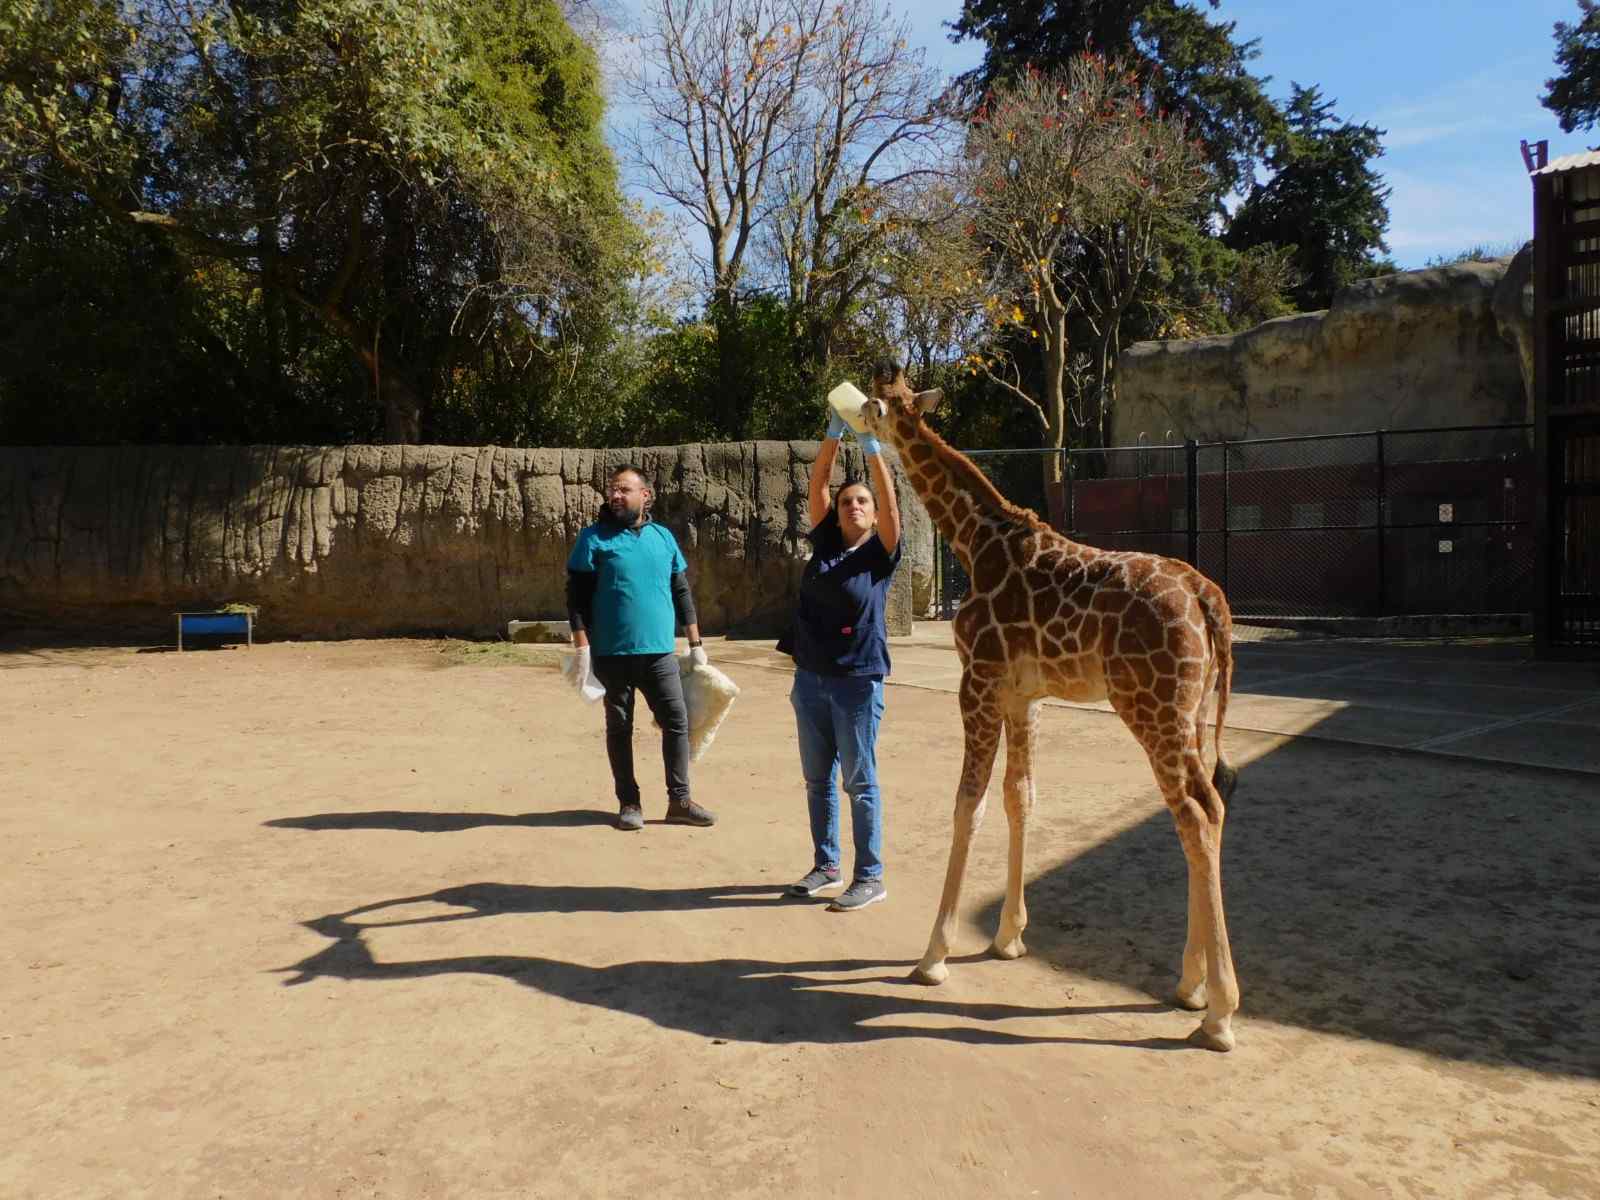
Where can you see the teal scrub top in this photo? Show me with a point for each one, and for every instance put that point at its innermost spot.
(633, 611)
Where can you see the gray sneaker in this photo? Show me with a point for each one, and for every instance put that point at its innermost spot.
(631, 818)
(689, 813)
(814, 881)
(858, 895)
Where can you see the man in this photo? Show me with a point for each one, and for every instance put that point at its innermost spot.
(626, 593)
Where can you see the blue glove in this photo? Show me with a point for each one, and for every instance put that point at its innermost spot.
(836, 427)
(869, 444)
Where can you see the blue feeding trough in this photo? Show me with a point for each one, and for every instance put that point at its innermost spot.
(236, 624)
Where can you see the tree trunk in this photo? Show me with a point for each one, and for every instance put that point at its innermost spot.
(396, 390)
(733, 403)
(1055, 401)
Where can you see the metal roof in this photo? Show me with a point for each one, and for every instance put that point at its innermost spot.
(1570, 162)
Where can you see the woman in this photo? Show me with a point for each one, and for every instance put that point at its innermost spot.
(841, 652)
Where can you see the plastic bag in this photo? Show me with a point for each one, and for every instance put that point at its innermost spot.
(708, 694)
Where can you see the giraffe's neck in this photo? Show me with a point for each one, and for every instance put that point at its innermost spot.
(957, 495)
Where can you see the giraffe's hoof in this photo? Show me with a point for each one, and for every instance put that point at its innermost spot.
(1008, 950)
(1220, 1039)
(1193, 1000)
(931, 974)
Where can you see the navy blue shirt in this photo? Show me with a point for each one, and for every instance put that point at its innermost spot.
(838, 625)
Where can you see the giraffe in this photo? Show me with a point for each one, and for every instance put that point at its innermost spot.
(1047, 616)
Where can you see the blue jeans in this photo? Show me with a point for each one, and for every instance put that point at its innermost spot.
(837, 720)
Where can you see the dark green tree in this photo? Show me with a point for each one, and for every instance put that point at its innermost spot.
(1324, 198)
(1192, 66)
(1574, 95)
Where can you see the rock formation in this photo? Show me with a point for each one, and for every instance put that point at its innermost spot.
(360, 541)
(1444, 346)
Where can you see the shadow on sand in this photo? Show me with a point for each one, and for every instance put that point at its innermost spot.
(1449, 907)
(443, 822)
(747, 1000)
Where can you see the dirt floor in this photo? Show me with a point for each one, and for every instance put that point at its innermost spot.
(349, 920)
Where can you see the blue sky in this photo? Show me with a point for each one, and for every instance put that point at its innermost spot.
(1456, 83)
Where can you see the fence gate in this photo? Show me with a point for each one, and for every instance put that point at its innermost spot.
(1566, 228)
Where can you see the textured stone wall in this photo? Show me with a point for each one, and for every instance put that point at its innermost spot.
(1444, 346)
(360, 541)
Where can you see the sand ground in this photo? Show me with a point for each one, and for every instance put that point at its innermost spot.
(349, 920)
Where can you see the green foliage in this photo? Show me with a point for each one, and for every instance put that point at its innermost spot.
(1574, 94)
(1324, 199)
(682, 398)
(367, 208)
(1482, 252)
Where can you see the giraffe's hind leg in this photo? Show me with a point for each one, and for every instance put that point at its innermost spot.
(1171, 742)
(1197, 810)
(1191, 992)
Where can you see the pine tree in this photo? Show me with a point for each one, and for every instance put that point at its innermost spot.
(1324, 198)
(1574, 95)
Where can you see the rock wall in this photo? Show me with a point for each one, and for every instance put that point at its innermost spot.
(1445, 346)
(360, 541)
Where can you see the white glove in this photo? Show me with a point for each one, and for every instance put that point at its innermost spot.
(697, 656)
(578, 669)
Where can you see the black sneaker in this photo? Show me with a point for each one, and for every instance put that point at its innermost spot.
(814, 881)
(631, 818)
(858, 895)
(688, 813)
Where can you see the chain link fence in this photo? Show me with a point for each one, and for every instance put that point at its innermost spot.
(1384, 523)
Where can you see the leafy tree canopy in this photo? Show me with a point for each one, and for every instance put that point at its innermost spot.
(1574, 94)
(1324, 198)
(1192, 65)
(422, 184)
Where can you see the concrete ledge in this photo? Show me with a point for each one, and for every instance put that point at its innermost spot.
(1419, 625)
(539, 632)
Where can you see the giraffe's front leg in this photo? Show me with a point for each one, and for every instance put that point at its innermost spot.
(982, 727)
(1021, 728)
(968, 816)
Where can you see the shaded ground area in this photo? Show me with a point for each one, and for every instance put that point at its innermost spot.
(348, 919)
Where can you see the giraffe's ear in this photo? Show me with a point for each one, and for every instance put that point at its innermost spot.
(929, 400)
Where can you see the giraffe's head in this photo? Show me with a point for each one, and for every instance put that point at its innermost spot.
(895, 411)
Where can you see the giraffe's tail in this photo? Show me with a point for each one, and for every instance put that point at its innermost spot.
(1219, 625)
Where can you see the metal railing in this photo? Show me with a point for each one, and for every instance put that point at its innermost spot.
(1380, 523)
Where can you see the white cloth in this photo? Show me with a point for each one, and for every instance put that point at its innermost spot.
(578, 670)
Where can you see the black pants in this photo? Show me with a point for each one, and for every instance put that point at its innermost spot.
(656, 675)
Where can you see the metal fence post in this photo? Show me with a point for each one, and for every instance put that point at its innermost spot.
(1225, 516)
(1072, 496)
(1383, 554)
(1191, 497)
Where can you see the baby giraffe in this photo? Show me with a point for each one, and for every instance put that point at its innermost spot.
(1049, 617)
